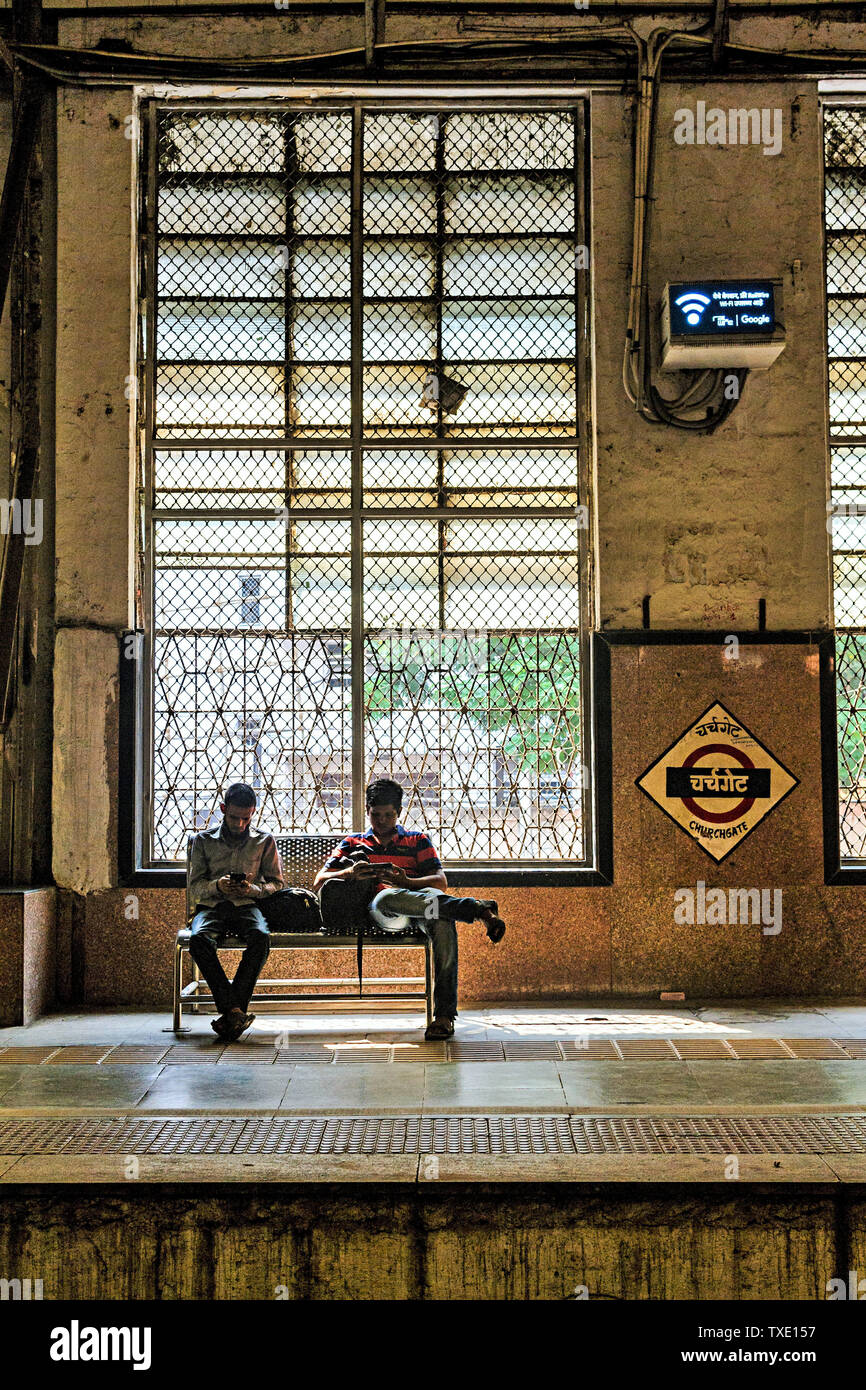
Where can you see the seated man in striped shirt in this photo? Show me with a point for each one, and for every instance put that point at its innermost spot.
(402, 871)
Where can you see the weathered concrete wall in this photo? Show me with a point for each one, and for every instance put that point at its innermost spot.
(435, 1241)
(84, 806)
(95, 475)
(708, 525)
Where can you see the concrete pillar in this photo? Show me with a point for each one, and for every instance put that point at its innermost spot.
(95, 474)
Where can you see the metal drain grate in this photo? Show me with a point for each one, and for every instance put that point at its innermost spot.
(454, 1134)
(480, 1051)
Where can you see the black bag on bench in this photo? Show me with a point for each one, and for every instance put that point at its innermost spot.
(292, 909)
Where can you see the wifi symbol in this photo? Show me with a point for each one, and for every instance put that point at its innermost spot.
(692, 305)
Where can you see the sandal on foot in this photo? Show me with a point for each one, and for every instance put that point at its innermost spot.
(238, 1023)
(440, 1028)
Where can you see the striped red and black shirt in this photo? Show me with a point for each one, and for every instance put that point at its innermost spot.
(412, 851)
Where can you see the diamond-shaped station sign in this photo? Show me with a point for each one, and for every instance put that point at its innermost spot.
(717, 782)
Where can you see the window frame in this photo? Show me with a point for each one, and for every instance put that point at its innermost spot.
(136, 668)
(837, 871)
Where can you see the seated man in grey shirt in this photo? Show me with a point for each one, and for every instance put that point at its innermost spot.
(230, 869)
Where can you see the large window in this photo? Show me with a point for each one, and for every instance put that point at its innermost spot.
(363, 522)
(845, 221)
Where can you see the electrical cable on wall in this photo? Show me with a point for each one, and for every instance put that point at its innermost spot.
(116, 62)
(651, 405)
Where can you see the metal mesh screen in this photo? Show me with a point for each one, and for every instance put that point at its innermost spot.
(362, 514)
(845, 220)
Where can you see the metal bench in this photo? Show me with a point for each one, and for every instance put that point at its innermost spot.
(302, 857)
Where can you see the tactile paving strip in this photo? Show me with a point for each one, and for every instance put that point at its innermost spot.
(452, 1134)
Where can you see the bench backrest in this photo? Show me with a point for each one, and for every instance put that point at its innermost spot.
(302, 857)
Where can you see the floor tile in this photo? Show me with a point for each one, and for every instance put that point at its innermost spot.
(847, 1167)
(203, 1168)
(345, 1089)
(768, 1022)
(788, 1083)
(217, 1088)
(646, 1083)
(11, 1075)
(629, 1168)
(519, 1086)
(79, 1086)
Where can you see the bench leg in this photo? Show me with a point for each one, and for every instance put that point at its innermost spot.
(176, 1000)
(196, 975)
(428, 979)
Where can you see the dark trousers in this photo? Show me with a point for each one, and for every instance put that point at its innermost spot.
(344, 900)
(209, 927)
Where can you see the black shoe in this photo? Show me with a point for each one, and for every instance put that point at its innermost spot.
(440, 1028)
(238, 1023)
(488, 914)
(222, 1026)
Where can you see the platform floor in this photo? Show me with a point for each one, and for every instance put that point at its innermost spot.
(594, 1090)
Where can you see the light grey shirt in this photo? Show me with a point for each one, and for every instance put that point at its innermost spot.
(212, 855)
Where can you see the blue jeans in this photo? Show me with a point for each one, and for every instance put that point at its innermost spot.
(442, 933)
(212, 924)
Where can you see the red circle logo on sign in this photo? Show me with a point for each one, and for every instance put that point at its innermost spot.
(742, 807)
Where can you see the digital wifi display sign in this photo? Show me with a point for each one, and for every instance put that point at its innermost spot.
(726, 308)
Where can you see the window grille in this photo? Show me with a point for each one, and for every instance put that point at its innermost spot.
(845, 222)
(364, 528)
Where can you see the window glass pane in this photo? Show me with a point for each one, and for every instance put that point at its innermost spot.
(321, 268)
(399, 332)
(213, 401)
(224, 270)
(845, 195)
(846, 325)
(323, 208)
(519, 329)
(397, 140)
(222, 479)
(404, 206)
(484, 265)
(192, 329)
(323, 142)
(321, 574)
(513, 204)
(510, 140)
(207, 141)
(401, 574)
(396, 268)
(238, 206)
(846, 264)
(322, 332)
